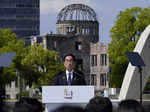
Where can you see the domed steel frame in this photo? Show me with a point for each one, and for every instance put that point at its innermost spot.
(77, 12)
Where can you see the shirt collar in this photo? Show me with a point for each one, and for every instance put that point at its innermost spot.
(67, 72)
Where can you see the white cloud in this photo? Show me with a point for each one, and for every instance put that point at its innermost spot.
(54, 6)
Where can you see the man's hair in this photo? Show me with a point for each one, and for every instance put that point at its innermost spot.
(99, 104)
(130, 105)
(70, 54)
(68, 108)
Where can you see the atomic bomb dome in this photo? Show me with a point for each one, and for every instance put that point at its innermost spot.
(78, 19)
(77, 12)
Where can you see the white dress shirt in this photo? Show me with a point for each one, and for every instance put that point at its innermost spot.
(67, 74)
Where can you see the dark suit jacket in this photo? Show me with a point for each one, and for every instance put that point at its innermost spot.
(61, 79)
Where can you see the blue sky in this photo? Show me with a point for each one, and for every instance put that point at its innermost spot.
(106, 11)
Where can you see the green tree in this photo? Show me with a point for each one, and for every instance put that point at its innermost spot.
(40, 65)
(9, 43)
(6, 36)
(125, 34)
(35, 65)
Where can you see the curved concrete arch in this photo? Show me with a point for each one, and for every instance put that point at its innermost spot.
(131, 83)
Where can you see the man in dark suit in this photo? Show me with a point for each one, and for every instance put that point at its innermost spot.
(70, 76)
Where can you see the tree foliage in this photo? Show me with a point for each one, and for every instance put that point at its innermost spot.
(36, 65)
(5, 37)
(40, 65)
(9, 43)
(125, 34)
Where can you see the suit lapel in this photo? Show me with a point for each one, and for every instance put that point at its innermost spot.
(64, 78)
(74, 78)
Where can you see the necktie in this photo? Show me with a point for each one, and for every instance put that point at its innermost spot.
(69, 79)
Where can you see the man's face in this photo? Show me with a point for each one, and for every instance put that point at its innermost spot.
(69, 63)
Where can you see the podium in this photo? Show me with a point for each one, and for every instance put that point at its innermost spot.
(55, 96)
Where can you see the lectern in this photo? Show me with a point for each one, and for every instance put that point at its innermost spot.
(55, 96)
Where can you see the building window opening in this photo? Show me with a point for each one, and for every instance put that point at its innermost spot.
(93, 60)
(83, 31)
(93, 79)
(78, 45)
(103, 59)
(87, 31)
(103, 79)
(55, 44)
(70, 29)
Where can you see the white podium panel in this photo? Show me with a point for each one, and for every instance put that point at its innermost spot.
(67, 94)
(54, 96)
